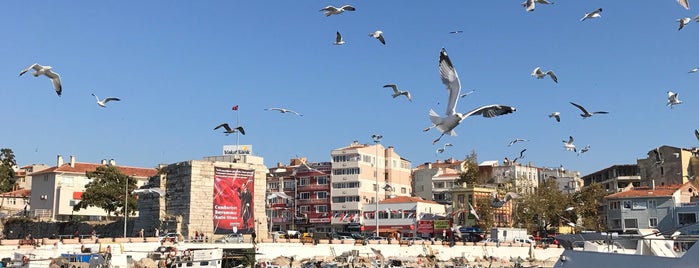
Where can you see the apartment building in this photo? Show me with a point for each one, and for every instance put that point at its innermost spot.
(361, 176)
(522, 178)
(568, 181)
(55, 190)
(434, 181)
(615, 178)
(667, 165)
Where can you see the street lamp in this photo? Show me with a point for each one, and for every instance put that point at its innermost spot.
(377, 140)
(126, 203)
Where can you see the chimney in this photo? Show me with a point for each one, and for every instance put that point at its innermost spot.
(59, 161)
(103, 162)
(438, 161)
(652, 184)
(72, 161)
(112, 162)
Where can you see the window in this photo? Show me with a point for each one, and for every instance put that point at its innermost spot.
(630, 223)
(321, 208)
(343, 199)
(346, 171)
(67, 181)
(342, 185)
(651, 203)
(403, 190)
(439, 184)
(653, 222)
(627, 204)
(303, 181)
(304, 195)
(322, 180)
(289, 184)
(303, 208)
(687, 218)
(273, 185)
(616, 224)
(614, 205)
(322, 195)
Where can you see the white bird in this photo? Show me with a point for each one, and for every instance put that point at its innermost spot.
(229, 130)
(48, 72)
(452, 119)
(103, 103)
(338, 39)
(556, 115)
(467, 93)
(592, 15)
(529, 5)
(684, 3)
(331, 10)
(521, 156)
(673, 99)
(568, 145)
(585, 113)
(397, 92)
(378, 35)
(441, 150)
(539, 74)
(515, 141)
(693, 70)
(159, 191)
(683, 22)
(584, 149)
(456, 32)
(282, 110)
(696, 133)
(497, 202)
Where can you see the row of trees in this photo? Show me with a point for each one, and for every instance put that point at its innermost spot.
(547, 206)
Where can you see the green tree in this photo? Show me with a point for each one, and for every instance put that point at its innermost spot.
(470, 173)
(485, 213)
(7, 172)
(543, 208)
(586, 206)
(107, 190)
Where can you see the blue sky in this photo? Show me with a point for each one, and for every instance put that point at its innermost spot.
(179, 66)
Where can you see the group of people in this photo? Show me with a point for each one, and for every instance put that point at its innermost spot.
(199, 236)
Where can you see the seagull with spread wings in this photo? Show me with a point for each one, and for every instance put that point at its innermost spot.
(338, 39)
(498, 203)
(683, 22)
(48, 72)
(397, 92)
(673, 99)
(684, 3)
(585, 113)
(556, 115)
(521, 156)
(452, 119)
(516, 140)
(540, 74)
(159, 191)
(568, 145)
(441, 150)
(331, 10)
(282, 110)
(103, 102)
(530, 5)
(467, 93)
(379, 36)
(592, 15)
(229, 130)
(584, 149)
(696, 134)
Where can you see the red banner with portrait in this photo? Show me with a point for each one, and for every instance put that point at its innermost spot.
(233, 200)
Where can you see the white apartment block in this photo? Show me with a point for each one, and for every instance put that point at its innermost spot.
(355, 172)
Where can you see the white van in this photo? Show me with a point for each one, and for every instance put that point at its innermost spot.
(523, 240)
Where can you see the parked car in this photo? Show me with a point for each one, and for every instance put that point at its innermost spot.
(492, 240)
(344, 237)
(377, 238)
(231, 238)
(549, 240)
(523, 240)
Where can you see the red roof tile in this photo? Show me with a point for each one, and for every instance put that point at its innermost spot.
(81, 168)
(666, 190)
(17, 193)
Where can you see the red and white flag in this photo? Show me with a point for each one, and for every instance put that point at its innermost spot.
(473, 211)
(235, 108)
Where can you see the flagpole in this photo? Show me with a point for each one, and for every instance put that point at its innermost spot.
(237, 134)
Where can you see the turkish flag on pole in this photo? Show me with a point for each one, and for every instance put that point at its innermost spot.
(235, 108)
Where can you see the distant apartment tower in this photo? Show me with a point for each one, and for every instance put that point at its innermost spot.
(434, 181)
(667, 165)
(615, 178)
(568, 181)
(298, 196)
(353, 181)
(523, 178)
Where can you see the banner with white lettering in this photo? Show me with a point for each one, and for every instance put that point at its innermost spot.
(233, 200)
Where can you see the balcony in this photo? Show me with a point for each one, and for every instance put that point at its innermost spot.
(313, 201)
(314, 187)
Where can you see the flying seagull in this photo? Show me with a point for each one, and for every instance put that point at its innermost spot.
(48, 72)
(696, 133)
(378, 35)
(331, 10)
(456, 32)
(584, 149)
(515, 141)
(103, 103)
(452, 119)
(441, 150)
(159, 191)
(568, 145)
(673, 99)
(282, 110)
(683, 22)
(556, 115)
(694, 70)
(585, 113)
(467, 93)
(592, 15)
(539, 74)
(684, 3)
(397, 92)
(498, 203)
(229, 130)
(338, 39)
(529, 5)
(521, 156)
(659, 160)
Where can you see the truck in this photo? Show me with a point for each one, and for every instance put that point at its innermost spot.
(508, 234)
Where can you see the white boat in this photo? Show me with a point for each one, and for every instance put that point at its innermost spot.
(606, 250)
(189, 257)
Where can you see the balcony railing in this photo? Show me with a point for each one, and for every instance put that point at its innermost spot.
(313, 201)
(314, 187)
